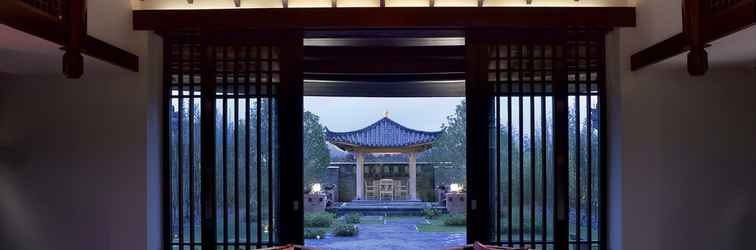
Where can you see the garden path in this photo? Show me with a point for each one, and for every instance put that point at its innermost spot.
(395, 233)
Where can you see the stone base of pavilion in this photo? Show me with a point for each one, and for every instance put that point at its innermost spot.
(384, 208)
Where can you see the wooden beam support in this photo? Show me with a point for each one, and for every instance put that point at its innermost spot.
(409, 17)
(27, 19)
(385, 89)
(107, 52)
(720, 25)
(76, 29)
(694, 27)
(658, 52)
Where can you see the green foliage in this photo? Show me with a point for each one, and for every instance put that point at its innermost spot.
(431, 213)
(526, 227)
(323, 219)
(314, 233)
(352, 218)
(316, 156)
(345, 230)
(451, 146)
(454, 220)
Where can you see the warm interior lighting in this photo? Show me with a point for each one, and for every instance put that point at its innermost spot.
(310, 3)
(455, 3)
(407, 3)
(357, 3)
(315, 188)
(386, 42)
(258, 4)
(456, 188)
(558, 3)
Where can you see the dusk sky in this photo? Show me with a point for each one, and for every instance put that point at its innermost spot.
(351, 113)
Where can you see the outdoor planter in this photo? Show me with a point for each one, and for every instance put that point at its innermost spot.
(314, 203)
(456, 202)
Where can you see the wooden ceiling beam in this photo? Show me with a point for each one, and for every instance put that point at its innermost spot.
(383, 89)
(23, 17)
(378, 66)
(368, 52)
(384, 78)
(718, 26)
(363, 18)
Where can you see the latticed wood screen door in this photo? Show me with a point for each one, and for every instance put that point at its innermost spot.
(226, 93)
(544, 146)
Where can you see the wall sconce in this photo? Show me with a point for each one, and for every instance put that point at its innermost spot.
(456, 188)
(315, 188)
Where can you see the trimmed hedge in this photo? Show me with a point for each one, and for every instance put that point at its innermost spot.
(345, 230)
(454, 220)
(352, 218)
(314, 233)
(318, 219)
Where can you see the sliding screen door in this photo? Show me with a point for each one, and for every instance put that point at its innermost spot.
(542, 91)
(224, 170)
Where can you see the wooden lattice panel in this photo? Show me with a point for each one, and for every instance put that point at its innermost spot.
(522, 68)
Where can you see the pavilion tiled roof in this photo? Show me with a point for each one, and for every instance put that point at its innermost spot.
(384, 133)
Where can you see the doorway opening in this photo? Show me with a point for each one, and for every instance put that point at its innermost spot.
(233, 153)
(384, 139)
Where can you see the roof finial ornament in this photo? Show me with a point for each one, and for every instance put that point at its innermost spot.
(386, 113)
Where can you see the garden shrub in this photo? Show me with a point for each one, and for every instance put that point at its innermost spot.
(314, 233)
(454, 220)
(431, 213)
(322, 219)
(352, 218)
(344, 230)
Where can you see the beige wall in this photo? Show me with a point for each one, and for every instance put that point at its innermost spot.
(681, 147)
(80, 159)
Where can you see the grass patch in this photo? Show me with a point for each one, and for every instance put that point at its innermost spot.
(432, 213)
(437, 226)
(371, 221)
(454, 219)
(398, 217)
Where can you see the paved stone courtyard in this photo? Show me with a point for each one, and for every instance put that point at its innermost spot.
(396, 233)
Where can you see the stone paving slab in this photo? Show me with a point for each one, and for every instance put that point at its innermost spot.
(396, 233)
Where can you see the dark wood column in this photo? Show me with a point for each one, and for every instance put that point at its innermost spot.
(695, 29)
(290, 112)
(76, 25)
(478, 101)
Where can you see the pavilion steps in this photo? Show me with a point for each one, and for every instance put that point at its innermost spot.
(383, 208)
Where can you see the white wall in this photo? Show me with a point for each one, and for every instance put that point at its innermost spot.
(80, 159)
(681, 148)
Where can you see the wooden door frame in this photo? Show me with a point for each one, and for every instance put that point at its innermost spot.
(289, 206)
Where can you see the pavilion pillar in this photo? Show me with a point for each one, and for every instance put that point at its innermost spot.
(360, 175)
(413, 176)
